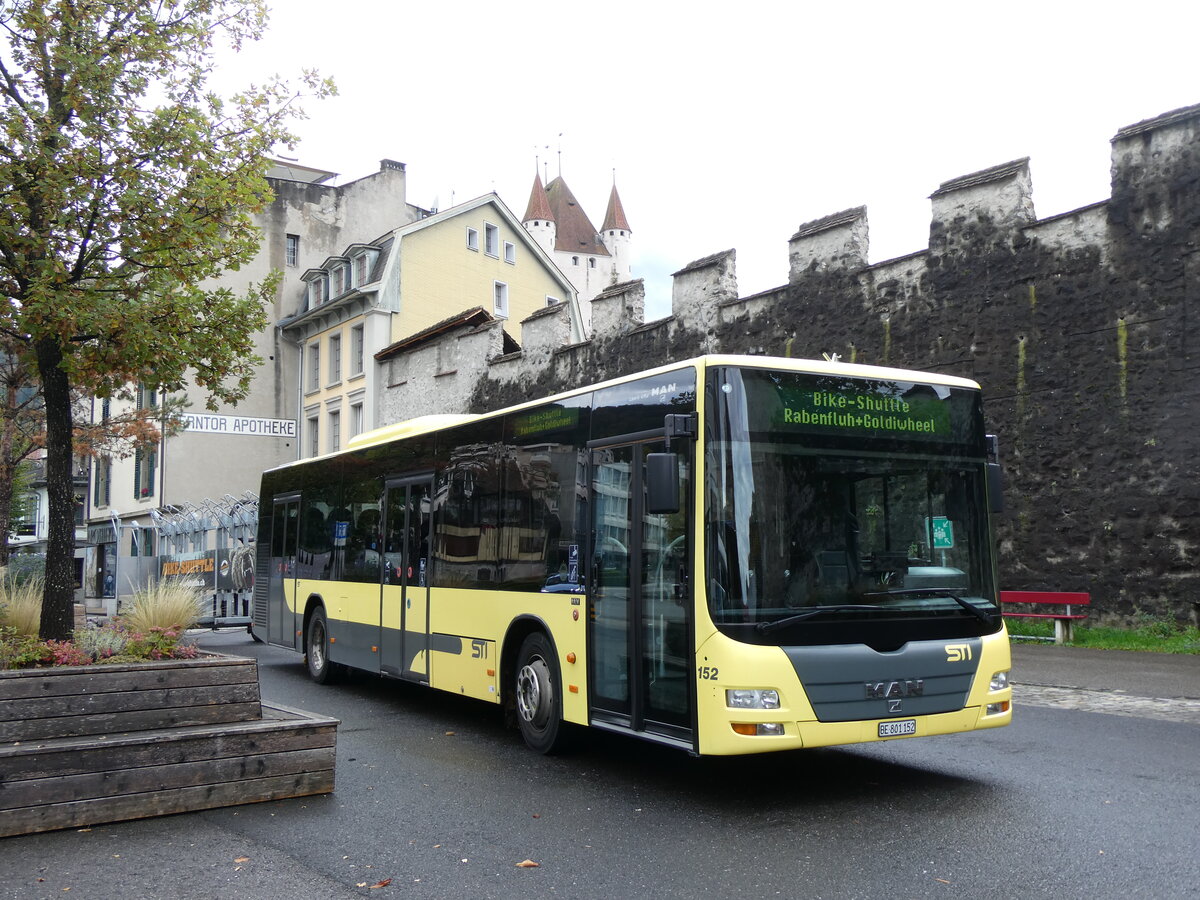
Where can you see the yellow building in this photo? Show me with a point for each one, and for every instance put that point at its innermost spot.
(473, 255)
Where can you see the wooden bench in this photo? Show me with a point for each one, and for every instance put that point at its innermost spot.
(86, 745)
(1070, 607)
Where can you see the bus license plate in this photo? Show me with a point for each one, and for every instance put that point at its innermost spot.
(898, 729)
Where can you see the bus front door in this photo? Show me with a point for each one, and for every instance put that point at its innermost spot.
(282, 615)
(639, 599)
(404, 641)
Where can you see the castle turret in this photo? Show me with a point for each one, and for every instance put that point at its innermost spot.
(539, 219)
(617, 236)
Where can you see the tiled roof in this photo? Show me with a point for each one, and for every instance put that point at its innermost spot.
(539, 204)
(614, 217)
(575, 233)
(472, 317)
(836, 220)
(986, 176)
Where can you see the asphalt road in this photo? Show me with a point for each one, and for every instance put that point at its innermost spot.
(434, 794)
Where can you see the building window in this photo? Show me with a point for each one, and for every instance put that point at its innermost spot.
(500, 299)
(574, 260)
(314, 367)
(472, 238)
(510, 252)
(102, 493)
(592, 263)
(26, 524)
(338, 286)
(360, 267)
(147, 397)
(144, 463)
(292, 253)
(491, 240)
(357, 350)
(141, 542)
(335, 431)
(552, 301)
(314, 437)
(335, 358)
(356, 419)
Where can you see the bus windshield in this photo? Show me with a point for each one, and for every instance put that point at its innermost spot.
(845, 510)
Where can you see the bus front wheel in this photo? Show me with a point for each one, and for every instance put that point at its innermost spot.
(539, 706)
(320, 669)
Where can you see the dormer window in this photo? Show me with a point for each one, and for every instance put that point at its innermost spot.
(360, 270)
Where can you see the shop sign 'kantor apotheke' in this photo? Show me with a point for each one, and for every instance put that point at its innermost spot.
(249, 426)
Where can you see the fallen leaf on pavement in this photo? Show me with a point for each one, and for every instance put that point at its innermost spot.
(528, 864)
(380, 884)
(242, 859)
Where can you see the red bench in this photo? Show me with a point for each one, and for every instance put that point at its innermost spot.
(1072, 606)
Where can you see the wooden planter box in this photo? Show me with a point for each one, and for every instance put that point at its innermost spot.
(91, 744)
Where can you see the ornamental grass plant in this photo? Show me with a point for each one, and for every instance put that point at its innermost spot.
(150, 627)
(21, 604)
(168, 605)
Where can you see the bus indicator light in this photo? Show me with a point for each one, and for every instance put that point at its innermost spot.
(571, 658)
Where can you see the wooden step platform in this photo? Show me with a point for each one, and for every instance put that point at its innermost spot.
(86, 745)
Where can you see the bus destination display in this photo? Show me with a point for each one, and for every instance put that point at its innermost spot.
(866, 410)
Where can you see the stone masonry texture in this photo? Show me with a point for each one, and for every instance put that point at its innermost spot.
(1078, 327)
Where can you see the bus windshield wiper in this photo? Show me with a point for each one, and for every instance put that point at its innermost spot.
(936, 592)
(768, 627)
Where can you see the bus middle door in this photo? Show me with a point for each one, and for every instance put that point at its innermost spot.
(404, 639)
(639, 601)
(282, 615)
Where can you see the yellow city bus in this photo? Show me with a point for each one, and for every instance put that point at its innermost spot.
(726, 555)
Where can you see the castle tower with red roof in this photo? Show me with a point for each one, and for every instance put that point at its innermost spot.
(593, 260)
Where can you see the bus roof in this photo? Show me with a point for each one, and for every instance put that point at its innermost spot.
(424, 424)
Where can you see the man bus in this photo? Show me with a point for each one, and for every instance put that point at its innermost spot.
(726, 555)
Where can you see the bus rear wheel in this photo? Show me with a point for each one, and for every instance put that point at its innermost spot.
(316, 650)
(538, 701)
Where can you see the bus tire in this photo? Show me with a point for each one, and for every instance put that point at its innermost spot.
(316, 650)
(538, 699)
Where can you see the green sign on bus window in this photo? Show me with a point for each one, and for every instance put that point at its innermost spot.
(942, 531)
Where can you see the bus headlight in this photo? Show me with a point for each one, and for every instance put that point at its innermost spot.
(754, 729)
(999, 681)
(743, 698)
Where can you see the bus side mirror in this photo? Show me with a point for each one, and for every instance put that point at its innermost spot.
(662, 482)
(995, 475)
(995, 487)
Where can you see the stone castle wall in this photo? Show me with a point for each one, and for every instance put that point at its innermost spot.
(1077, 327)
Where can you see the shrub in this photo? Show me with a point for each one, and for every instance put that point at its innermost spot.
(159, 643)
(24, 566)
(20, 651)
(165, 605)
(102, 643)
(65, 653)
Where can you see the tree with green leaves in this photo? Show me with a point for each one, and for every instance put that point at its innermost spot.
(126, 187)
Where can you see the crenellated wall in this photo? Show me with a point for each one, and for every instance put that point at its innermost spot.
(1079, 328)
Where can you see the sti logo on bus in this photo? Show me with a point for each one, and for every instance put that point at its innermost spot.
(958, 652)
(890, 690)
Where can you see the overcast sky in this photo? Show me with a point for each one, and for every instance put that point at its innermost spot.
(728, 125)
